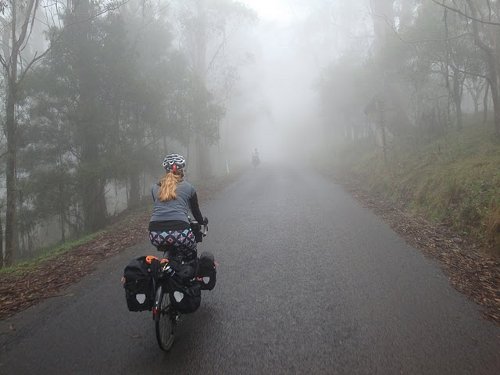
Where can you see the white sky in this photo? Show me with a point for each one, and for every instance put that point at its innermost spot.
(276, 88)
(267, 10)
(276, 109)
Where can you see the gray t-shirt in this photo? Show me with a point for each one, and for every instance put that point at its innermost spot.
(175, 209)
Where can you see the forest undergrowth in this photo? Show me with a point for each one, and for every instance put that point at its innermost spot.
(443, 197)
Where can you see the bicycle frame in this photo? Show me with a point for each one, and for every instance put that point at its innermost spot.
(165, 315)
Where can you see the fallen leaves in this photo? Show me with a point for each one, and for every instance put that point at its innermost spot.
(47, 279)
(469, 270)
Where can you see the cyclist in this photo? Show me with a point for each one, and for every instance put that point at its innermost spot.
(255, 157)
(173, 198)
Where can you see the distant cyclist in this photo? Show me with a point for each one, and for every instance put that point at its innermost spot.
(255, 157)
(173, 199)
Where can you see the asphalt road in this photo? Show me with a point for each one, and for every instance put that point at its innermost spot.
(308, 282)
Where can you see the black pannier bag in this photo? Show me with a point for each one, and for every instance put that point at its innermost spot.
(185, 298)
(207, 273)
(184, 271)
(140, 277)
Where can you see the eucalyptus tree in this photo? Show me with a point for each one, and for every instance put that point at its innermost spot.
(115, 86)
(137, 58)
(206, 28)
(102, 84)
(441, 47)
(482, 20)
(17, 19)
(64, 113)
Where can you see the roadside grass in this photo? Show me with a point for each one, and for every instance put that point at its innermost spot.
(47, 254)
(454, 180)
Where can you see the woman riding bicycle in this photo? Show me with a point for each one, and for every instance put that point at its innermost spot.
(173, 198)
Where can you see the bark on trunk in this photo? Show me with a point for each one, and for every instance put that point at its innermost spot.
(485, 102)
(134, 196)
(94, 205)
(1, 243)
(457, 100)
(10, 172)
(93, 183)
(496, 110)
(62, 213)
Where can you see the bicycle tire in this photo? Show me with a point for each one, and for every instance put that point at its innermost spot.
(164, 321)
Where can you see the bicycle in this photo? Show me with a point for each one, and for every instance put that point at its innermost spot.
(165, 315)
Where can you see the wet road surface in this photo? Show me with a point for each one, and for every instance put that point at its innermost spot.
(308, 282)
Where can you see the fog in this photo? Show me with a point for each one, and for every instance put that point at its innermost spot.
(95, 94)
(276, 108)
(375, 192)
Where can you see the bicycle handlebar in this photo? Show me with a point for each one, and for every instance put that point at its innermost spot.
(200, 228)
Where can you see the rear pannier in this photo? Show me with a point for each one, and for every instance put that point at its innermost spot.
(207, 273)
(185, 298)
(139, 282)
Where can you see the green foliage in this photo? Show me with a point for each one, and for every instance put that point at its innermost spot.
(95, 111)
(453, 180)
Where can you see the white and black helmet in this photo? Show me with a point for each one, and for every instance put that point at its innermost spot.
(173, 162)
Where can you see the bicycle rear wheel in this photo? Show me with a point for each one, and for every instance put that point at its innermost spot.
(164, 320)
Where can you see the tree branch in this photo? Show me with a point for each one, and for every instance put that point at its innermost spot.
(465, 72)
(420, 41)
(31, 28)
(24, 28)
(30, 20)
(209, 66)
(4, 63)
(465, 14)
(477, 37)
(34, 61)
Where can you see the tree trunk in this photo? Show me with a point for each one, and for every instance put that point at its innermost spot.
(11, 134)
(457, 99)
(494, 92)
(94, 204)
(203, 157)
(27, 11)
(496, 109)
(92, 183)
(1, 243)
(200, 65)
(62, 213)
(381, 109)
(485, 102)
(134, 196)
(383, 19)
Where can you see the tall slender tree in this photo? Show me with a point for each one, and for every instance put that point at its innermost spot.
(18, 18)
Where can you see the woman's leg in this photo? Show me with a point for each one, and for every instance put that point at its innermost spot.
(183, 241)
(186, 244)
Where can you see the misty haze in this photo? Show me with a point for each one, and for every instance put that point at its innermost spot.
(250, 187)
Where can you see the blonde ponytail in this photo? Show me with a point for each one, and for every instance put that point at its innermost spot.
(168, 186)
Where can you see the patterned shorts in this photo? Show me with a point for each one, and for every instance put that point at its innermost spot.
(182, 240)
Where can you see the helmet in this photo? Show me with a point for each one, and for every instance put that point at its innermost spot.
(173, 162)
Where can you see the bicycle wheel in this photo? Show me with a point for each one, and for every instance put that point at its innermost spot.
(164, 321)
